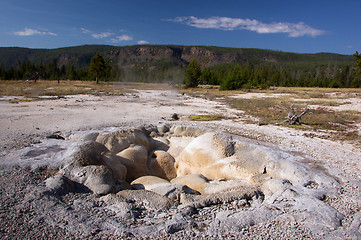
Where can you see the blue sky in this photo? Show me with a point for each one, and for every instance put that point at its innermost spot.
(293, 26)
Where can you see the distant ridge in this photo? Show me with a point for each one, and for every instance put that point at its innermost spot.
(207, 56)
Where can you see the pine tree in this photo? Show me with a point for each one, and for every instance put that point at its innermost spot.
(357, 57)
(98, 67)
(356, 82)
(235, 79)
(192, 74)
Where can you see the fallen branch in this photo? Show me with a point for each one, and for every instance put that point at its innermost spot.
(293, 118)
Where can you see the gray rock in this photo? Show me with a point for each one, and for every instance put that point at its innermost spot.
(231, 222)
(273, 186)
(188, 211)
(173, 191)
(91, 137)
(90, 153)
(175, 116)
(149, 129)
(99, 179)
(315, 214)
(55, 136)
(59, 184)
(122, 185)
(163, 128)
(178, 222)
(118, 205)
(150, 200)
(159, 143)
(221, 198)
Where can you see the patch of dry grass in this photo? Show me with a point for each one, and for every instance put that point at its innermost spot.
(206, 117)
(341, 124)
(267, 110)
(320, 102)
(313, 92)
(18, 100)
(274, 110)
(331, 120)
(30, 89)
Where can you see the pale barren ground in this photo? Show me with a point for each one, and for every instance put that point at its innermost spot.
(24, 123)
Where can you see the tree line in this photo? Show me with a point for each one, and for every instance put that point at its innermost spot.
(98, 69)
(229, 76)
(247, 75)
(50, 71)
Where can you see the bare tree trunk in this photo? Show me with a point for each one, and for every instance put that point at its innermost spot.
(293, 118)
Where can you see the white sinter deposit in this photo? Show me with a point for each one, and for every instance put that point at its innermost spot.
(168, 176)
(175, 180)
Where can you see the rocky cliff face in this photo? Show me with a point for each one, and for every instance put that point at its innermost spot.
(179, 55)
(209, 58)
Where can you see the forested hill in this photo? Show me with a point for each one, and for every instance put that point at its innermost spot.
(161, 63)
(178, 55)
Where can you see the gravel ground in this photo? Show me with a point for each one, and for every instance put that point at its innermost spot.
(16, 213)
(17, 216)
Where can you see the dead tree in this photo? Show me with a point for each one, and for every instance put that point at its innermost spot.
(35, 77)
(293, 118)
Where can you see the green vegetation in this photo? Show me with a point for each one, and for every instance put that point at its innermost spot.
(206, 117)
(192, 74)
(357, 80)
(357, 57)
(248, 76)
(50, 71)
(98, 67)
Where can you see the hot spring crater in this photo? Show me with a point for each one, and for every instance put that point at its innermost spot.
(167, 179)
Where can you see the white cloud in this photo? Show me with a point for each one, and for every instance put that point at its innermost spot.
(115, 39)
(86, 31)
(121, 38)
(102, 35)
(31, 32)
(225, 23)
(96, 35)
(142, 42)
